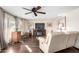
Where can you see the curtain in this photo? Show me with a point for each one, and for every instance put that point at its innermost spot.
(3, 44)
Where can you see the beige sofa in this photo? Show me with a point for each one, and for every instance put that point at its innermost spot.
(57, 41)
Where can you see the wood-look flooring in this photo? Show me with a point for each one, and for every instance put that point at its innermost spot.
(69, 50)
(31, 45)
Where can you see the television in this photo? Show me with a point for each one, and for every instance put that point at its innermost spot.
(39, 26)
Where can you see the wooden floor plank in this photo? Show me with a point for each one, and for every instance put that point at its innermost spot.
(31, 45)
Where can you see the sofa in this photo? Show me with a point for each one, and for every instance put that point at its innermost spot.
(57, 41)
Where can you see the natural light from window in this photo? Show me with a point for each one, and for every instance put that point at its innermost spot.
(28, 48)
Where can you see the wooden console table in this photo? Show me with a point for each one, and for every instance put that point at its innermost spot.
(16, 36)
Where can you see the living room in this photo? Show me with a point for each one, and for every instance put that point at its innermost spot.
(35, 30)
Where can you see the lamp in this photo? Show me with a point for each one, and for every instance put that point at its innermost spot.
(61, 26)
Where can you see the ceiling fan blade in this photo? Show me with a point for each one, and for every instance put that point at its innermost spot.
(28, 13)
(41, 12)
(35, 14)
(27, 9)
(38, 7)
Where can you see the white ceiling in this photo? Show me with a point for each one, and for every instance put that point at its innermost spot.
(51, 11)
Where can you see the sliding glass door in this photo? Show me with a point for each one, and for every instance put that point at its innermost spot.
(9, 26)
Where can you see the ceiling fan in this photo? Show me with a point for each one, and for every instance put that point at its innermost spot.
(34, 10)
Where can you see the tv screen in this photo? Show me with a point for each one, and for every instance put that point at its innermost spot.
(39, 26)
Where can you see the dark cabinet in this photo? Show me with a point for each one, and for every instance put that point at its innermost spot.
(39, 30)
(38, 33)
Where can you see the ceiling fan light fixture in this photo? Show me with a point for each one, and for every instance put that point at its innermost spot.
(34, 10)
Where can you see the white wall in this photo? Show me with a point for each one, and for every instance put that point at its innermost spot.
(72, 22)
